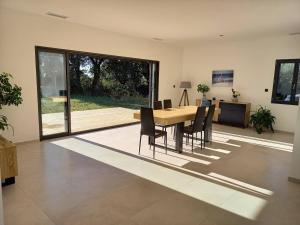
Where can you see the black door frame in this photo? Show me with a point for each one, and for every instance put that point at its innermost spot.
(152, 96)
(38, 81)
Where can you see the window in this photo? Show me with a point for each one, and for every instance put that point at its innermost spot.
(81, 91)
(286, 87)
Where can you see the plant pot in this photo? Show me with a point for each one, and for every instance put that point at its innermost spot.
(205, 102)
(235, 99)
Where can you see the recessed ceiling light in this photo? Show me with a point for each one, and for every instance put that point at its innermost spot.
(56, 15)
(157, 39)
(295, 33)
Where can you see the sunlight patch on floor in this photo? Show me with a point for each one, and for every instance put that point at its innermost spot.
(240, 183)
(218, 150)
(242, 204)
(208, 156)
(255, 141)
(171, 157)
(224, 141)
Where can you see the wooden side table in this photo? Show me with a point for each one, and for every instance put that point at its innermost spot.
(8, 161)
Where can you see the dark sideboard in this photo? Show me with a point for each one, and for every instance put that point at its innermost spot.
(235, 113)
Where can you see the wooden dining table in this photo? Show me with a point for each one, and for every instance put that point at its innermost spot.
(177, 117)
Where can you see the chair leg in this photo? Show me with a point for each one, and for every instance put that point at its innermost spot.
(192, 142)
(204, 138)
(166, 143)
(153, 148)
(201, 140)
(174, 134)
(140, 144)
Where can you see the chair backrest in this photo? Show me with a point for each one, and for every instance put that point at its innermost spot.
(167, 103)
(157, 105)
(147, 121)
(209, 117)
(199, 119)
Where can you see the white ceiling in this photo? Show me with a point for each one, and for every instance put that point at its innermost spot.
(175, 20)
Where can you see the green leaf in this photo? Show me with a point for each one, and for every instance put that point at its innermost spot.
(262, 119)
(10, 94)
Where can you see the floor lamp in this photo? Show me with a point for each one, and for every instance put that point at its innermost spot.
(184, 96)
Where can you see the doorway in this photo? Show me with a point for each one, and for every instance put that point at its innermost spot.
(80, 91)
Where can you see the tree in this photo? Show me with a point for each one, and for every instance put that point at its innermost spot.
(133, 75)
(96, 70)
(75, 62)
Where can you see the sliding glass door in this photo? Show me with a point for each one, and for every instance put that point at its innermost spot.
(105, 91)
(81, 91)
(52, 86)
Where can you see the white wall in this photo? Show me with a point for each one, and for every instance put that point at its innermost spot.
(253, 62)
(20, 32)
(295, 166)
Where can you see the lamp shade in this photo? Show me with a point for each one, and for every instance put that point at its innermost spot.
(185, 84)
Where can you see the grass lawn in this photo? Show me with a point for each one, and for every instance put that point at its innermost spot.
(81, 103)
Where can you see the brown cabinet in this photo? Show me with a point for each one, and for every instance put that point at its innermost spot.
(235, 113)
(8, 161)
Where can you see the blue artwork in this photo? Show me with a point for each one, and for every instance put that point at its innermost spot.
(222, 78)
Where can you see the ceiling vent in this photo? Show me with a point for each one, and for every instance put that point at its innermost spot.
(56, 15)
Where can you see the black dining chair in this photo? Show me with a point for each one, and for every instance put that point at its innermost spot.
(148, 128)
(157, 105)
(208, 122)
(197, 125)
(167, 103)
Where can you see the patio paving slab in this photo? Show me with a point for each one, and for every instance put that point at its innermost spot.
(88, 119)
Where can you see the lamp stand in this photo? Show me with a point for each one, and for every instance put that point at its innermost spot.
(185, 98)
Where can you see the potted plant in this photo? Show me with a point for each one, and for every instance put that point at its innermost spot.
(10, 94)
(262, 119)
(203, 88)
(235, 95)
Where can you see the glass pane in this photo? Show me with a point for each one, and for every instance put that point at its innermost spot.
(106, 91)
(298, 85)
(53, 92)
(285, 81)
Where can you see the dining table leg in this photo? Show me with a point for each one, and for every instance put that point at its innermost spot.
(179, 137)
(208, 134)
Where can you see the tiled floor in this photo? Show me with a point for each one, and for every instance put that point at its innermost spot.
(98, 178)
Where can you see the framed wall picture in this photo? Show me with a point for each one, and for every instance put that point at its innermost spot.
(222, 78)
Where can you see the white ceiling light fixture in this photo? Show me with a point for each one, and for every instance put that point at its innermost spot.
(56, 15)
(295, 33)
(157, 39)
